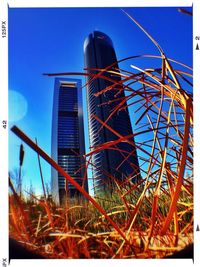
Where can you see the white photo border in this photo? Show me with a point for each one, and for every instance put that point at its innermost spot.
(4, 131)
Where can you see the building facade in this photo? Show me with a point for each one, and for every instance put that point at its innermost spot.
(119, 162)
(68, 143)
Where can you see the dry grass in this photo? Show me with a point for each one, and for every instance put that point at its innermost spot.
(150, 219)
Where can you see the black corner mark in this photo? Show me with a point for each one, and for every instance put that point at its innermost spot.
(186, 253)
(197, 47)
(198, 229)
(18, 251)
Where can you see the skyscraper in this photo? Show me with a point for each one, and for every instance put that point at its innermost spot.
(68, 143)
(119, 162)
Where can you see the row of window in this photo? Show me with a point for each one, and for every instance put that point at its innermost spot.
(66, 137)
(65, 125)
(68, 108)
(67, 119)
(68, 157)
(68, 145)
(70, 161)
(62, 182)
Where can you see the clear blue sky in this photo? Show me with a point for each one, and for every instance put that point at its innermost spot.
(49, 40)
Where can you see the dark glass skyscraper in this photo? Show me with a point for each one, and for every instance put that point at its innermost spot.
(120, 161)
(67, 137)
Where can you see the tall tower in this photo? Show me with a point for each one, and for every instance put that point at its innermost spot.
(119, 162)
(67, 137)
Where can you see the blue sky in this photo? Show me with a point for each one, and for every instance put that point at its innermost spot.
(49, 40)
